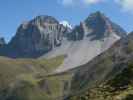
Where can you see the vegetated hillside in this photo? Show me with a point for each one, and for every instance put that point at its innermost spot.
(24, 79)
(108, 76)
(118, 88)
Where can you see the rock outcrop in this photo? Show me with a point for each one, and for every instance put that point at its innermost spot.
(37, 37)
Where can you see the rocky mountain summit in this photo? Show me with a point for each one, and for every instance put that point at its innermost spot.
(37, 37)
(97, 26)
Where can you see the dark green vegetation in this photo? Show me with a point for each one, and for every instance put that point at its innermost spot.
(129, 97)
(118, 88)
(123, 79)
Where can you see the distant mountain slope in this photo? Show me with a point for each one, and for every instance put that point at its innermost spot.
(103, 68)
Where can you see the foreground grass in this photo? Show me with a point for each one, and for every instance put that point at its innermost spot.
(21, 79)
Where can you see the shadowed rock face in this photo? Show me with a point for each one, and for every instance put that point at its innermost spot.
(2, 42)
(77, 33)
(100, 26)
(37, 37)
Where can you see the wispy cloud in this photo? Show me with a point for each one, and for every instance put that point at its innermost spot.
(126, 5)
(67, 2)
(92, 1)
(74, 2)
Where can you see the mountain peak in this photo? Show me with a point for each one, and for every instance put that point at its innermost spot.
(37, 37)
(97, 13)
(98, 26)
(45, 18)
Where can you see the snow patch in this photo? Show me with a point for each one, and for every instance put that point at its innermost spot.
(66, 24)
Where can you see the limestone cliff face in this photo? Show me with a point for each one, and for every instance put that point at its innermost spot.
(38, 36)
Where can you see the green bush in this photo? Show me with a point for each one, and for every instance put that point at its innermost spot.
(129, 97)
(123, 79)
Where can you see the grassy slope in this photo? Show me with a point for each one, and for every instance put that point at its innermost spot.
(24, 79)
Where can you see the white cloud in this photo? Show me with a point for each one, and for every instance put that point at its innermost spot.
(92, 1)
(73, 2)
(127, 5)
(67, 2)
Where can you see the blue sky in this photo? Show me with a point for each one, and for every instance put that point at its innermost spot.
(14, 12)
